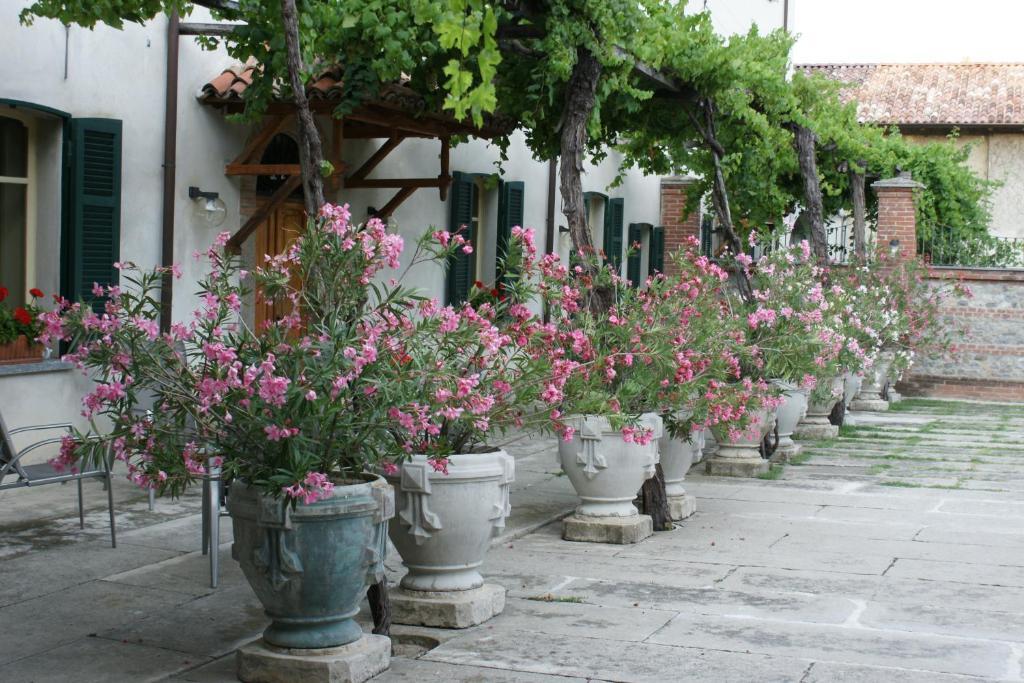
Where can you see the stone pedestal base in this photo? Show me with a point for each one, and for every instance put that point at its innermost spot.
(447, 609)
(356, 662)
(872, 404)
(619, 530)
(736, 467)
(815, 431)
(681, 507)
(785, 452)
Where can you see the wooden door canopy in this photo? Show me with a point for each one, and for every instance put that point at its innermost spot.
(396, 114)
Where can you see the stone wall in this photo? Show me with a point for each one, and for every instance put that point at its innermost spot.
(989, 362)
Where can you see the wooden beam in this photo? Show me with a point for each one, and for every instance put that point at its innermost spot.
(198, 28)
(389, 145)
(378, 183)
(395, 202)
(280, 195)
(259, 141)
(446, 144)
(262, 169)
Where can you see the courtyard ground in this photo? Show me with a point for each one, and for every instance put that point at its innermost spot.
(894, 552)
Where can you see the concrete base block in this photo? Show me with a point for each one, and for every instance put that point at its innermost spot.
(736, 467)
(681, 507)
(356, 662)
(447, 609)
(619, 530)
(783, 454)
(873, 404)
(813, 432)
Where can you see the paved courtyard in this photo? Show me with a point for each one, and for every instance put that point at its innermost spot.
(892, 553)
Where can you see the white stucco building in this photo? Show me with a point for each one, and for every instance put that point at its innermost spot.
(83, 125)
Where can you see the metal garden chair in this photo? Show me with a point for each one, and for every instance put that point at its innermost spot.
(25, 476)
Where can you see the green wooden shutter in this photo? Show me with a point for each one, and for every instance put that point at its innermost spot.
(614, 212)
(656, 258)
(510, 214)
(635, 256)
(95, 242)
(461, 267)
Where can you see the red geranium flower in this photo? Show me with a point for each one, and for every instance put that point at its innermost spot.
(36, 292)
(3, 293)
(22, 316)
(477, 284)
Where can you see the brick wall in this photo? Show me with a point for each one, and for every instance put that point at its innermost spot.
(678, 226)
(896, 214)
(989, 362)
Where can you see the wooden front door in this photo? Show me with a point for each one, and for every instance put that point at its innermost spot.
(274, 237)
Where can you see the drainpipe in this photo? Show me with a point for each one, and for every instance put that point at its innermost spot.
(549, 242)
(170, 159)
(785, 15)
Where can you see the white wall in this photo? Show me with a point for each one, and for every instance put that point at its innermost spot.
(731, 17)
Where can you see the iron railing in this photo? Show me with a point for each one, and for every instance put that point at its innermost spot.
(944, 248)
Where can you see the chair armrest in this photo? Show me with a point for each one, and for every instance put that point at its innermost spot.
(32, 447)
(38, 428)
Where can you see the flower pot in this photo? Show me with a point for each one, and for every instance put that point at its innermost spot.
(21, 350)
(788, 415)
(852, 383)
(876, 377)
(604, 469)
(739, 455)
(444, 522)
(677, 457)
(746, 444)
(310, 566)
(816, 425)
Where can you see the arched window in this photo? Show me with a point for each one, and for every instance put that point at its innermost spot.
(282, 149)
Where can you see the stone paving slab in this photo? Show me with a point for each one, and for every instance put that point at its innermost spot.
(837, 570)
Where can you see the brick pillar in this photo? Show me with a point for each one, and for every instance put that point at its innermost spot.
(897, 219)
(677, 224)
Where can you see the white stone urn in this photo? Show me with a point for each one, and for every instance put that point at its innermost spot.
(444, 522)
(605, 471)
(875, 379)
(815, 424)
(787, 415)
(677, 457)
(741, 456)
(710, 446)
(852, 383)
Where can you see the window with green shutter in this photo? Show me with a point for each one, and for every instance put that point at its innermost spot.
(635, 248)
(511, 204)
(95, 191)
(656, 260)
(464, 205)
(613, 216)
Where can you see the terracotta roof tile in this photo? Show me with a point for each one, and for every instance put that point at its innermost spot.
(932, 94)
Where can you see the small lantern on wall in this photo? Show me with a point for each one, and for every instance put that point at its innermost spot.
(894, 248)
(207, 207)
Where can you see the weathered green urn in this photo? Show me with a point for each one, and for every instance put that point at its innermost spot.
(310, 566)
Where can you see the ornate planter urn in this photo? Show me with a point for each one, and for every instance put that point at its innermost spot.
(875, 379)
(310, 566)
(710, 446)
(442, 530)
(815, 424)
(740, 455)
(852, 383)
(677, 456)
(787, 415)
(606, 473)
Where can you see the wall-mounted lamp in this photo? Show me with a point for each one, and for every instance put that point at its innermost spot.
(563, 229)
(207, 207)
(894, 248)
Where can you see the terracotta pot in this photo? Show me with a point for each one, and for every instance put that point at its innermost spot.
(21, 350)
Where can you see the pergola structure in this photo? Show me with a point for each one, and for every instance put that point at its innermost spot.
(396, 114)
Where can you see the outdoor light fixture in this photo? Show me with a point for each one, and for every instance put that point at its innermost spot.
(894, 248)
(207, 207)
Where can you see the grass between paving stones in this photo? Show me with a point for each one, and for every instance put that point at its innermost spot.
(773, 473)
(899, 483)
(549, 597)
(940, 407)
